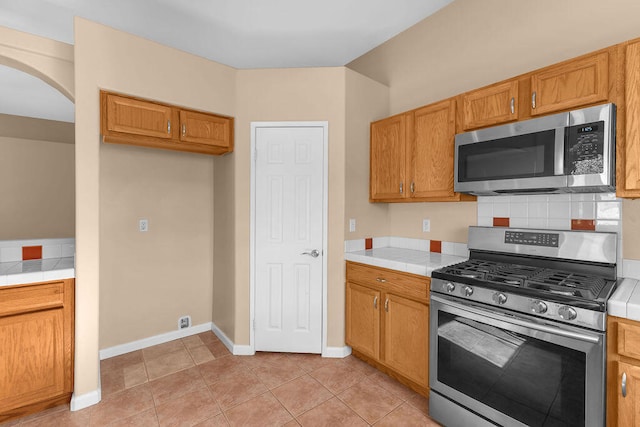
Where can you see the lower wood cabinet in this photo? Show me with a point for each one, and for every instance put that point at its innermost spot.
(36, 344)
(387, 322)
(623, 372)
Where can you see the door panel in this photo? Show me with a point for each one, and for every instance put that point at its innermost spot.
(289, 226)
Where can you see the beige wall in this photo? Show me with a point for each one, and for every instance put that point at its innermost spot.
(37, 187)
(310, 94)
(367, 101)
(469, 44)
(140, 283)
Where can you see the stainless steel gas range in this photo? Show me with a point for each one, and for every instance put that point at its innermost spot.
(517, 332)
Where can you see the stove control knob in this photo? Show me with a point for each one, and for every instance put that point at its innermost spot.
(449, 287)
(567, 313)
(499, 298)
(468, 291)
(539, 307)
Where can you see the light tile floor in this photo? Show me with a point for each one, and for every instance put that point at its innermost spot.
(195, 381)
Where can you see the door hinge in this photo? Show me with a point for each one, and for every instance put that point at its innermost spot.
(254, 324)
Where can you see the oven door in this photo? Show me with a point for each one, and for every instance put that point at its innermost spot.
(512, 369)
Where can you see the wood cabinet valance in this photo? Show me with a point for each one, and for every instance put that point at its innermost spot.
(129, 120)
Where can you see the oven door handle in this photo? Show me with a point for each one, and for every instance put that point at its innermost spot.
(515, 321)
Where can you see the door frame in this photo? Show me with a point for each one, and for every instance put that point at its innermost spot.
(325, 223)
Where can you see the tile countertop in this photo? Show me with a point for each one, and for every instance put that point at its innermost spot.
(406, 260)
(625, 301)
(36, 270)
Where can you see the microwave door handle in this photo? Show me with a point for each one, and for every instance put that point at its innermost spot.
(559, 153)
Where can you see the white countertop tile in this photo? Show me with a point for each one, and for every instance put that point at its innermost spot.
(406, 260)
(36, 270)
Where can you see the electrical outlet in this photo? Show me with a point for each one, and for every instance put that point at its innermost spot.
(143, 225)
(426, 225)
(184, 322)
(352, 225)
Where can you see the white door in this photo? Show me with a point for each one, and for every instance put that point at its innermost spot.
(288, 239)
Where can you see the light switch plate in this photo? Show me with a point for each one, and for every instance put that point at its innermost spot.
(143, 225)
(426, 225)
(352, 225)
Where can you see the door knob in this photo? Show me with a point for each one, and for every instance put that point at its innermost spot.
(314, 253)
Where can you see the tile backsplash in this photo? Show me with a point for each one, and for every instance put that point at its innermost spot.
(599, 211)
(14, 250)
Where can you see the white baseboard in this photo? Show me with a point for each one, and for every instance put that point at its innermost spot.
(337, 352)
(237, 350)
(82, 401)
(155, 340)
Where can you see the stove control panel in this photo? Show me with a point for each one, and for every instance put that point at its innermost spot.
(532, 238)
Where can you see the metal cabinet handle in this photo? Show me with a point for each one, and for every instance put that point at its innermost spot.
(381, 280)
(513, 105)
(413, 187)
(314, 253)
(386, 305)
(168, 126)
(624, 384)
(401, 188)
(533, 100)
(375, 302)
(184, 129)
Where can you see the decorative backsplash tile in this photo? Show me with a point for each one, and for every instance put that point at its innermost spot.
(435, 246)
(19, 250)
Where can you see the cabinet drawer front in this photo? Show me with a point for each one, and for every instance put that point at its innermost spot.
(28, 298)
(629, 340)
(411, 286)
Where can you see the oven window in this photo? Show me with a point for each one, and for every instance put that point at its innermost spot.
(532, 381)
(519, 156)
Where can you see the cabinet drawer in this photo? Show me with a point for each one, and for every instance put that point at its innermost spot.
(408, 285)
(28, 298)
(629, 340)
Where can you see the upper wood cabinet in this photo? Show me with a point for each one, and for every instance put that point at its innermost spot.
(412, 156)
(130, 120)
(491, 105)
(628, 141)
(571, 84)
(388, 159)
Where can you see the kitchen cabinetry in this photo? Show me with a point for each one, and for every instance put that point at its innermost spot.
(412, 156)
(491, 105)
(623, 369)
(130, 120)
(37, 340)
(570, 84)
(387, 320)
(628, 153)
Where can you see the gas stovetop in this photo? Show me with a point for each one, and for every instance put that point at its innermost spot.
(513, 276)
(565, 276)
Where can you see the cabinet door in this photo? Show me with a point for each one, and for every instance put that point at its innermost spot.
(431, 151)
(363, 319)
(32, 366)
(205, 129)
(388, 159)
(406, 338)
(575, 83)
(136, 117)
(491, 105)
(632, 118)
(629, 405)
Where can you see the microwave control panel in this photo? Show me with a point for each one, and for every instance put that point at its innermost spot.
(584, 150)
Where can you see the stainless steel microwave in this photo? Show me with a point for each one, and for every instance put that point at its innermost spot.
(560, 153)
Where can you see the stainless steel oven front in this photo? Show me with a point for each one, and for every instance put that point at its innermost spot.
(490, 366)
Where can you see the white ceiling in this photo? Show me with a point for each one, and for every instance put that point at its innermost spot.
(239, 33)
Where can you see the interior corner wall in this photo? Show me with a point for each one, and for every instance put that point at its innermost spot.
(299, 94)
(366, 101)
(469, 44)
(140, 283)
